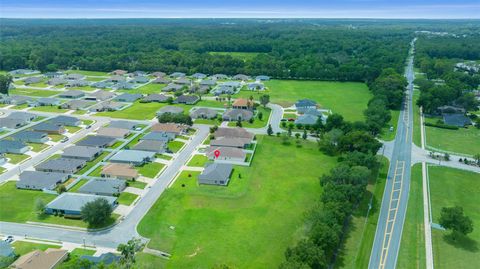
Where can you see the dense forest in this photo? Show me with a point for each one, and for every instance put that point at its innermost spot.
(444, 84)
(353, 51)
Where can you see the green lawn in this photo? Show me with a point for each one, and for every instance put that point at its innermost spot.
(175, 146)
(92, 163)
(245, 56)
(32, 92)
(463, 140)
(386, 134)
(139, 111)
(21, 107)
(87, 73)
(137, 184)
(208, 122)
(145, 261)
(94, 79)
(165, 157)
(23, 247)
(412, 246)
(126, 198)
(53, 109)
(198, 161)
(79, 252)
(96, 172)
(36, 147)
(236, 225)
(16, 158)
(56, 137)
(346, 98)
(72, 129)
(147, 89)
(150, 169)
(416, 120)
(2, 170)
(39, 85)
(78, 185)
(116, 145)
(257, 123)
(80, 112)
(452, 187)
(355, 252)
(84, 88)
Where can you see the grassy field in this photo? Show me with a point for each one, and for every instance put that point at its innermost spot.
(126, 198)
(53, 109)
(139, 111)
(463, 140)
(355, 252)
(87, 73)
(16, 158)
(452, 187)
(137, 184)
(245, 56)
(175, 146)
(198, 161)
(386, 134)
(23, 247)
(147, 89)
(145, 261)
(236, 225)
(79, 252)
(417, 140)
(32, 92)
(150, 169)
(412, 246)
(346, 98)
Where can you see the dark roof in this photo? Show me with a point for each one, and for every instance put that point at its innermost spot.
(305, 103)
(459, 120)
(128, 97)
(11, 144)
(70, 201)
(61, 164)
(96, 141)
(188, 99)
(46, 126)
(122, 124)
(216, 171)
(103, 186)
(26, 135)
(151, 145)
(159, 136)
(80, 152)
(65, 120)
(40, 180)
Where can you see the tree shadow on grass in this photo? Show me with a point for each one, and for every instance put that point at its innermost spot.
(463, 242)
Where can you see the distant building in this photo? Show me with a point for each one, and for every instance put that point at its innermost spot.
(66, 120)
(30, 137)
(237, 114)
(169, 109)
(242, 103)
(128, 97)
(187, 99)
(50, 128)
(204, 113)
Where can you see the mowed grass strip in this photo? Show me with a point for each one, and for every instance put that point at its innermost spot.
(412, 246)
(198, 161)
(126, 198)
(463, 140)
(236, 225)
(452, 187)
(150, 170)
(23, 247)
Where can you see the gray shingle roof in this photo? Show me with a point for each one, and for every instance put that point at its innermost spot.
(158, 136)
(38, 180)
(122, 124)
(65, 120)
(103, 186)
(96, 141)
(151, 145)
(61, 165)
(80, 152)
(216, 171)
(170, 109)
(75, 201)
(459, 120)
(133, 156)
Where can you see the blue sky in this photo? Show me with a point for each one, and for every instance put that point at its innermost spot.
(239, 9)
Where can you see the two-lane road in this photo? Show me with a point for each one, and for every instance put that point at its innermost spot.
(394, 203)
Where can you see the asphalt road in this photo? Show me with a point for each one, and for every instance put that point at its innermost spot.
(126, 229)
(394, 203)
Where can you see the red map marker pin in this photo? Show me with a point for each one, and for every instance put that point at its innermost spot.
(216, 153)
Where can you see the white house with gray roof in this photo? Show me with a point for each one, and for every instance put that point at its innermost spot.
(134, 157)
(70, 204)
(36, 180)
(107, 187)
(216, 174)
(31, 137)
(11, 146)
(61, 165)
(81, 152)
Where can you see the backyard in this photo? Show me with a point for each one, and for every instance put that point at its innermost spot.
(32, 92)
(263, 203)
(463, 140)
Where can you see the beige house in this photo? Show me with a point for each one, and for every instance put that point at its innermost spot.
(37, 259)
(120, 171)
(113, 132)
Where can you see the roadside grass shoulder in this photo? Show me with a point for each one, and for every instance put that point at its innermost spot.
(126, 198)
(198, 161)
(24, 247)
(175, 146)
(150, 170)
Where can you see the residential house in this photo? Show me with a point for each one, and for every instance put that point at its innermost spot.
(123, 124)
(134, 157)
(204, 113)
(262, 78)
(223, 89)
(106, 106)
(155, 97)
(241, 77)
(233, 142)
(48, 101)
(306, 119)
(97, 141)
(77, 83)
(159, 74)
(161, 80)
(216, 174)
(113, 132)
(56, 81)
(199, 76)
(17, 100)
(172, 88)
(139, 73)
(49, 128)
(23, 72)
(71, 94)
(128, 97)
(76, 104)
(32, 80)
(70, 203)
(151, 145)
(66, 120)
(219, 77)
(74, 76)
(183, 81)
(107, 187)
(255, 86)
(11, 146)
(242, 103)
(31, 137)
(99, 95)
(123, 85)
(100, 84)
(36, 259)
(187, 99)
(10, 123)
(119, 72)
(208, 82)
(169, 109)
(175, 128)
(177, 75)
(82, 152)
(233, 132)
(36, 180)
(226, 154)
(456, 119)
(304, 104)
(116, 79)
(237, 114)
(140, 79)
(61, 165)
(158, 136)
(120, 171)
(53, 74)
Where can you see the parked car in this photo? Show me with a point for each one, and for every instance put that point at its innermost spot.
(89, 126)
(65, 139)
